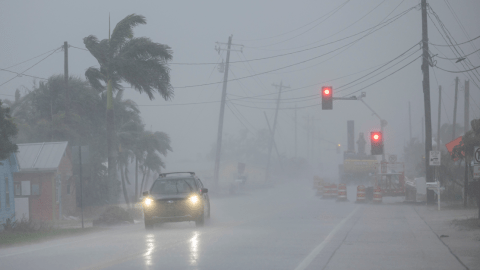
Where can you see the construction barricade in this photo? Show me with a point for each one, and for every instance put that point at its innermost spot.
(361, 194)
(342, 192)
(377, 195)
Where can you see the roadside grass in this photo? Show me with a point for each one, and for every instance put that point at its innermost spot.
(17, 238)
(467, 224)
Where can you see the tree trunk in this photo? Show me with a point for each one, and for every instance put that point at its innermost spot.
(136, 179)
(143, 180)
(125, 194)
(126, 175)
(110, 138)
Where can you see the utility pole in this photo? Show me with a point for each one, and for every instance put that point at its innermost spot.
(313, 139)
(466, 128)
(65, 74)
(295, 131)
(280, 88)
(410, 120)
(455, 109)
(426, 98)
(439, 115)
(274, 144)
(222, 110)
(423, 132)
(466, 124)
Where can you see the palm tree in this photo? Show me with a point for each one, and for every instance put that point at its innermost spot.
(152, 145)
(137, 61)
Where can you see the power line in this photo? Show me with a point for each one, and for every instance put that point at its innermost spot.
(21, 74)
(31, 58)
(325, 18)
(303, 46)
(448, 45)
(71, 46)
(382, 78)
(284, 67)
(461, 71)
(382, 24)
(457, 58)
(296, 28)
(31, 66)
(450, 38)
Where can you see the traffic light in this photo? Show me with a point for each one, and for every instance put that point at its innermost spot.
(376, 141)
(338, 148)
(327, 100)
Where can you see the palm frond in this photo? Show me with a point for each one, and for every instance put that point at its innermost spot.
(143, 49)
(94, 76)
(124, 30)
(99, 49)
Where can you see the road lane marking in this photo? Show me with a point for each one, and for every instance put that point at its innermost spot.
(306, 262)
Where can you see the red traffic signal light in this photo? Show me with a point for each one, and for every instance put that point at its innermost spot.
(327, 100)
(376, 141)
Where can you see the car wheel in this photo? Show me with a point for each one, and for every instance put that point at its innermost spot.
(200, 221)
(148, 224)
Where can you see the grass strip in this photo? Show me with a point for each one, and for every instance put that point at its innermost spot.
(15, 238)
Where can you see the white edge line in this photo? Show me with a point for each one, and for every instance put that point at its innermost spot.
(306, 262)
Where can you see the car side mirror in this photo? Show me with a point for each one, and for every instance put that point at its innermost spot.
(145, 193)
(204, 190)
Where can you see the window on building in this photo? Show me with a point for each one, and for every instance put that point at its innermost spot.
(7, 192)
(36, 189)
(17, 188)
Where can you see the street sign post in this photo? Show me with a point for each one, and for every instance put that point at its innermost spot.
(435, 186)
(435, 158)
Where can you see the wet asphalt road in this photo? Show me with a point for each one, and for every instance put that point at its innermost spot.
(286, 227)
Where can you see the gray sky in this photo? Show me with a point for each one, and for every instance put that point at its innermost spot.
(265, 28)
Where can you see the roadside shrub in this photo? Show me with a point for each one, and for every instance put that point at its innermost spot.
(23, 225)
(113, 215)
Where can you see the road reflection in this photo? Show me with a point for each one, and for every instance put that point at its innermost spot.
(150, 244)
(194, 248)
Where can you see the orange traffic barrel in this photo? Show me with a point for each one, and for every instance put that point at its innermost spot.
(320, 190)
(361, 194)
(342, 192)
(377, 195)
(326, 191)
(334, 191)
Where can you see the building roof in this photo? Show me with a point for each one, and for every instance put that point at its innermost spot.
(40, 156)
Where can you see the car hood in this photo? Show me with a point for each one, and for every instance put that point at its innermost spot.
(179, 196)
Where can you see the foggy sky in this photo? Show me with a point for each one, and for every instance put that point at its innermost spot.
(191, 28)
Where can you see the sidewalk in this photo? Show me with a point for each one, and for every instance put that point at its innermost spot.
(463, 242)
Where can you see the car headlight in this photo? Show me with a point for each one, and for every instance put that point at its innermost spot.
(148, 201)
(194, 199)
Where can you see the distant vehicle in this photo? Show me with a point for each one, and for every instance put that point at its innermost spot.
(176, 197)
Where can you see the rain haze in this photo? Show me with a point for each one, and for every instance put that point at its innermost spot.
(306, 197)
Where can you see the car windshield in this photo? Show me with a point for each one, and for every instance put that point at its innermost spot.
(173, 186)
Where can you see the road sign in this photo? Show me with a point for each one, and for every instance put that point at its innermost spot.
(435, 158)
(476, 171)
(476, 155)
(392, 158)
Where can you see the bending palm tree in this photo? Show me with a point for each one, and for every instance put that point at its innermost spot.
(137, 61)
